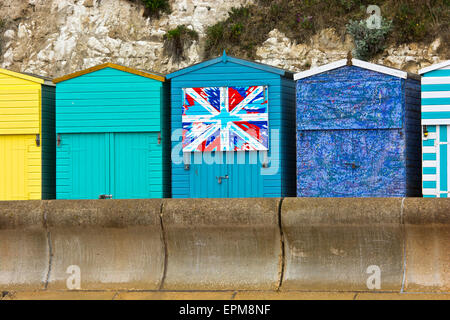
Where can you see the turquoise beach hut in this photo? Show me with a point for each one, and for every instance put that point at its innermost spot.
(112, 134)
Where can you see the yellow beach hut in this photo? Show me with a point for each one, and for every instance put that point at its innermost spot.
(27, 137)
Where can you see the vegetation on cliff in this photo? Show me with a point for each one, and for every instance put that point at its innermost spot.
(247, 27)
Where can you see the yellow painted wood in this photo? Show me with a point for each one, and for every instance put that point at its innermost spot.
(20, 122)
(20, 103)
(20, 168)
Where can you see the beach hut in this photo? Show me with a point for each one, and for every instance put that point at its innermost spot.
(111, 134)
(358, 131)
(436, 130)
(27, 134)
(233, 130)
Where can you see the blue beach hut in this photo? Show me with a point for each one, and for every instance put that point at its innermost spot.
(233, 130)
(358, 131)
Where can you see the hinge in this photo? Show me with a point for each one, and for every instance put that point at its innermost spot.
(58, 140)
(159, 137)
(38, 140)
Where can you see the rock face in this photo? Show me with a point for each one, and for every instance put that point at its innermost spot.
(56, 37)
(327, 46)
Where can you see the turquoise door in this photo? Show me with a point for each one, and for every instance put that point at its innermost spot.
(237, 176)
(83, 163)
(116, 165)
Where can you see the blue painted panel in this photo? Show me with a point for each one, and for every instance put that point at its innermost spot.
(349, 98)
(351, 163)
(219, 74)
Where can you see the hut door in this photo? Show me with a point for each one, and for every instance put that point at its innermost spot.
(15, 166)
(83, 166)
(130, 168)
(209, 176)
(325, 163)
(436, 156)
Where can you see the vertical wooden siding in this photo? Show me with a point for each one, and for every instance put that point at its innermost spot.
(48, 143)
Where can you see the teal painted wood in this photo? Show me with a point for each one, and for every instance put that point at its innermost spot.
(108, 100)
(48, 143)
(133, 114)
(245, 180)
(123, 165)
(83, 166)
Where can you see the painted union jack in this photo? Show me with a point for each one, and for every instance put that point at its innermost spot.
(225, 119)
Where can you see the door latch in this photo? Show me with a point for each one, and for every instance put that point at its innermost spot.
(219, 179)
(58, 140)
(38, 140)
(105, 196)
(159, 137)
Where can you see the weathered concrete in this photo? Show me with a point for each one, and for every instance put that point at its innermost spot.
(24, 256)
(427, 230)
(226, 245)
(116, 243)
(219, 244)
(330, 243)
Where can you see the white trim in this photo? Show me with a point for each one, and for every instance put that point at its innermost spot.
(429, 177)
(321, 69)
(379, 68)
(429, 163)
(435, 67)
(429, 149)
(436, 108)
(435, 80)
(429, 192)
(435, 94)
(428, 122)
(355, 62)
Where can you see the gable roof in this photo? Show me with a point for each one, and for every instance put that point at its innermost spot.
(27, 76)
(225, 58)
(358, 63)
(146, 74)
(435, 67)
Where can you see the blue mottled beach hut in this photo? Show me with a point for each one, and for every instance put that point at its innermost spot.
(358, 131)
(233, 130)
(436, 130)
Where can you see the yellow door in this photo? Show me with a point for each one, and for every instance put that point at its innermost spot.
(20, 168)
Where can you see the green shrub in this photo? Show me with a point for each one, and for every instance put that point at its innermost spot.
(368, 42)
(177, 39)
(156, 7)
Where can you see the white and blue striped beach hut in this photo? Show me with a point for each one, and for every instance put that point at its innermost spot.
(436, 130)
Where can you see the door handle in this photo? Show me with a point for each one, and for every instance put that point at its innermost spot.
(219, 179)
(105, 196)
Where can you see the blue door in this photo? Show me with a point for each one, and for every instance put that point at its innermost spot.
(237, 175)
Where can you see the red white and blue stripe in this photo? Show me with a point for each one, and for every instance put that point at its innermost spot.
(225, 119)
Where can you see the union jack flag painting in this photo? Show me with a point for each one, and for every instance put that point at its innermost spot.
(225, 119)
